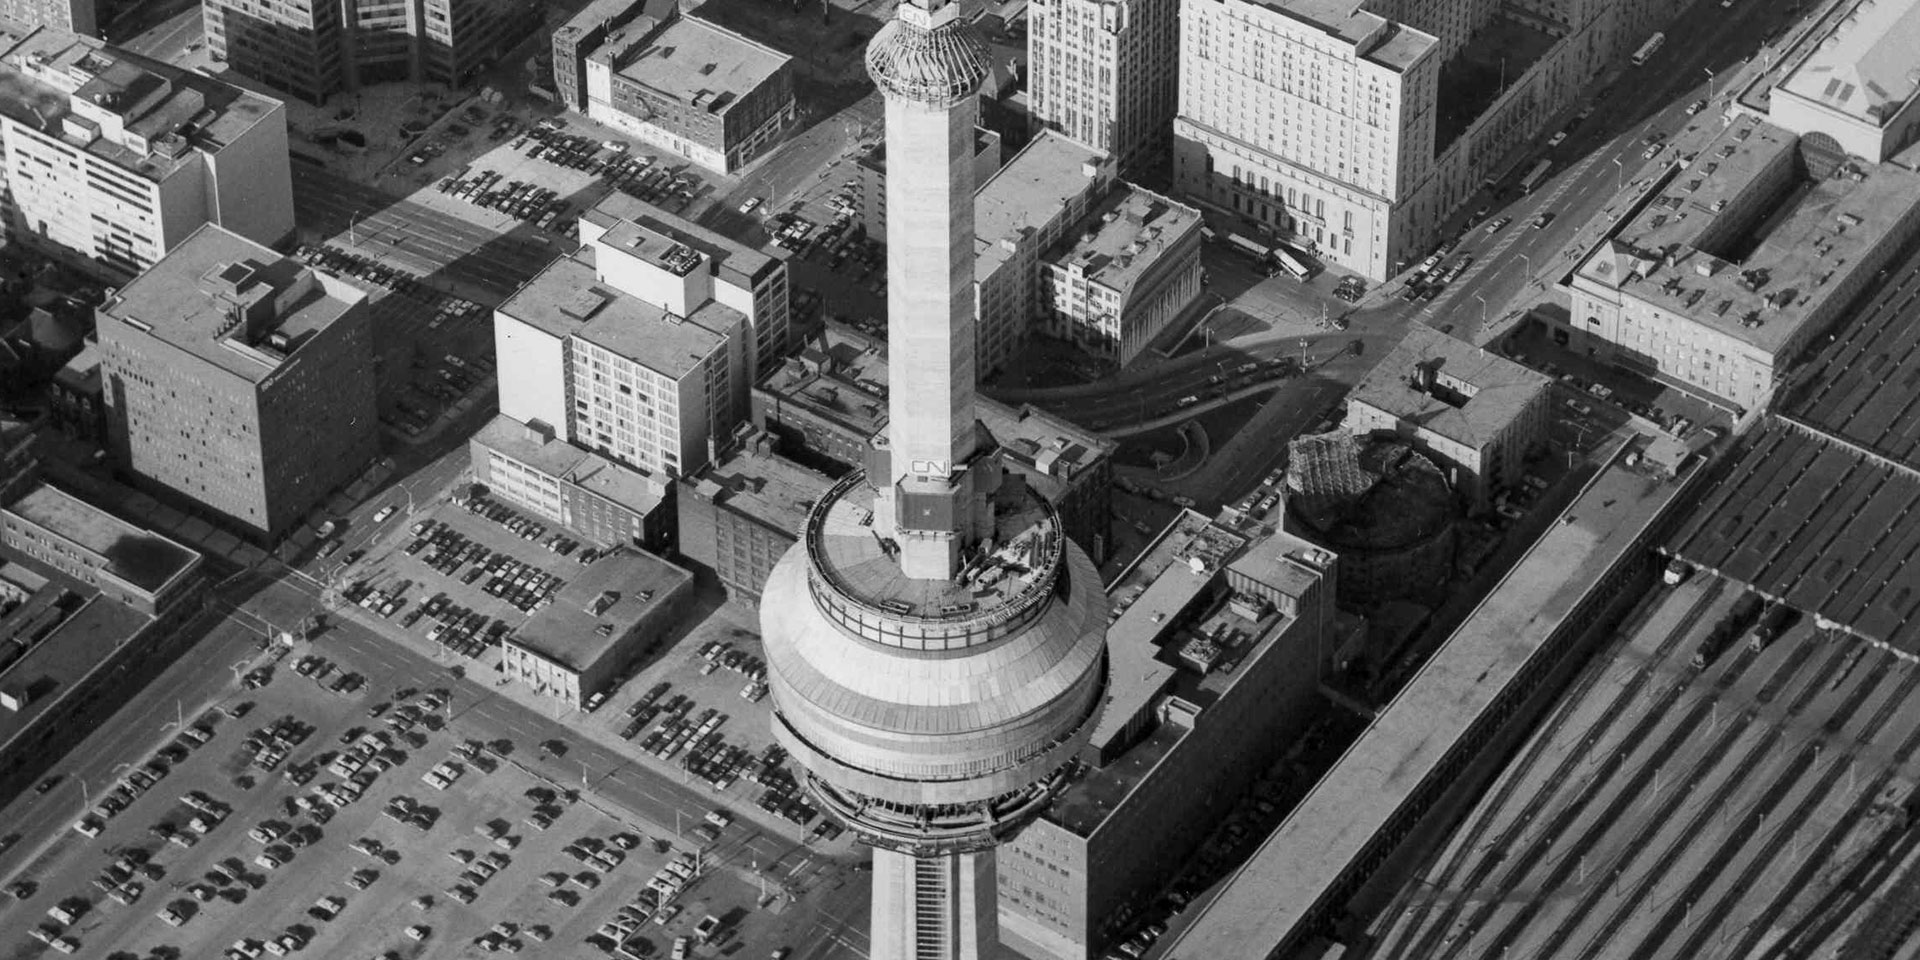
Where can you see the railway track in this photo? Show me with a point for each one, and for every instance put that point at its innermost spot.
(1751, 942)
(1597, 827)
(1767, 857)
(1679, 910)
(1430, 942)
(1543, 740)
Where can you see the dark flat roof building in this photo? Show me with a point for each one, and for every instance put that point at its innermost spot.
(240, 380)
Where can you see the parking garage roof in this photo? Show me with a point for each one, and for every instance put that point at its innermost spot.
(1287, 881)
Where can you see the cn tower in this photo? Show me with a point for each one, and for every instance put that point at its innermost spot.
(936, 647)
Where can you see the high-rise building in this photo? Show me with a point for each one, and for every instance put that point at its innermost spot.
(313, 49)
(78, 16)
(1314, 120)
(935, 647)
(112, 159)
(691, 88)
(240, 380)
(1107, 74)
(1320, 122)
(626, 348)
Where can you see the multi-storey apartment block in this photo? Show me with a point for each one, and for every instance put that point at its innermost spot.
(240, 380)
(110, 160)
(624, 349)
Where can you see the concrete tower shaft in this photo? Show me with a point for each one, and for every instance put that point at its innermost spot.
(937, 662)
(929, 64)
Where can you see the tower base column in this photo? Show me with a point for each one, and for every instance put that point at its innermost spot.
(934, 908)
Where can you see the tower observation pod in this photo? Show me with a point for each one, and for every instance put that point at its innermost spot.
(936, 646)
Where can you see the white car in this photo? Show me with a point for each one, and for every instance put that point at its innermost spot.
(751, 204)
(385, 512)
(1559, 137)
(417, 932)
(1695, 107)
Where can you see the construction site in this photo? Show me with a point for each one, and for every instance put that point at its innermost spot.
(1705, 790)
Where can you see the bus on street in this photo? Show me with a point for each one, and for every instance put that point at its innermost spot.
(1534, 175)
(1294, 264)
(1647, 49)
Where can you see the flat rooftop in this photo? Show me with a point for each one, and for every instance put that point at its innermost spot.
(1864, 67)
(1383, 41)
(627, 487)
(837, 375)
(733, 262)
(82, 644)
(766, 486)
(697, 63)
(190, 296)
(1129, 230)
(1468, 394)
(567, 632)
(1027, 192)
(609, 12)
(1816, 235)
(1087, 803)
(1052, 453)
(567, 299)
(1151, 594)
(1264, 903)
(163, 109)
(551, 456)
(139, 557)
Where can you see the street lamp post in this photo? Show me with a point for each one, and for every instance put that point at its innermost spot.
(1483, 307)
(350, 234)
(1528, 261)
(1709, 72)
(1619, 175)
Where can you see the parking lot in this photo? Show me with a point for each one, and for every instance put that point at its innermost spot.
(458, 577)
(437, 349)
(318, 812)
